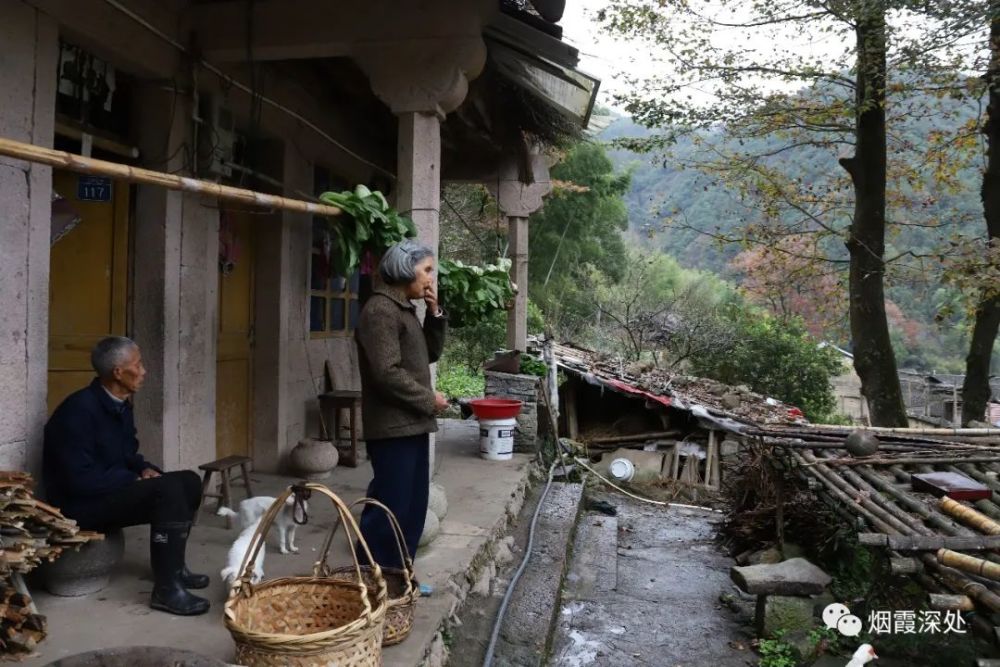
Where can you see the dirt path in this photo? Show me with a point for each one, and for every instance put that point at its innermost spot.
(643, 589)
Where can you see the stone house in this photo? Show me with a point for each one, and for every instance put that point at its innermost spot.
(232, 306)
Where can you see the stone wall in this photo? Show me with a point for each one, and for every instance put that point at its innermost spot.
(523, 388)
(27, 69)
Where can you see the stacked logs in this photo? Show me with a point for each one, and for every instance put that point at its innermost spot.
(31, 532)
(21, 628)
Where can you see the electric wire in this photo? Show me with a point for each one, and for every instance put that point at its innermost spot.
(247, 89)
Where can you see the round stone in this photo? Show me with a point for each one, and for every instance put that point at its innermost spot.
(87, 570)
(314, 459)
(437, 501)
(431, 529)
(861, 443)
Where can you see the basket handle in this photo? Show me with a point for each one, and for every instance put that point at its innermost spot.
(404, 556)
(244, 586)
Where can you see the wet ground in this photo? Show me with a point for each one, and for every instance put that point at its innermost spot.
(643, 589)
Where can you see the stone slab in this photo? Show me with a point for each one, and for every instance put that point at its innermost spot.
(594, 570)
(533, 606)
(796, 576)
(783, 612)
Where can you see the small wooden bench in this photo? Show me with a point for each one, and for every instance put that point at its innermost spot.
(224, 467)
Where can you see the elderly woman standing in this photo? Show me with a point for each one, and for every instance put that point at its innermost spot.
(399, 403)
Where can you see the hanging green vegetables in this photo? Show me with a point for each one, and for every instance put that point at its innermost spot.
(369, 226)
(471, 293)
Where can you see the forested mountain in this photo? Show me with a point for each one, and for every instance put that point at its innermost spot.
(694, 214)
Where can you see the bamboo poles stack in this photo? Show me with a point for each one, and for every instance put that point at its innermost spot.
(859, 493)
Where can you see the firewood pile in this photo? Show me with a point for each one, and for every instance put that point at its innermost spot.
(31, 532)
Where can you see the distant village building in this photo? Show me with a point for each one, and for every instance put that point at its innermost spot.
(847, 388)
(931, 399)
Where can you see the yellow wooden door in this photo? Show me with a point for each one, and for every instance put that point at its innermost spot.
(234, 365)
(88, 281)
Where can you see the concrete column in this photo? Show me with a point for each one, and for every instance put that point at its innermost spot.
(28, 78)
(517, 200)
(517, 317)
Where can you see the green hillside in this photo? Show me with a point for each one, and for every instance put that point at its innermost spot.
(677, 207)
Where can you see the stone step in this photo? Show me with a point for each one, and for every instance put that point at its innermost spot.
(533, 608)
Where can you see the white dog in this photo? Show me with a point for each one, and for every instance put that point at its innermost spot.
(252, 509)
(238, 552)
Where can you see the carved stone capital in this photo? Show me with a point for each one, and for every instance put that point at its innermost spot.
(517, 199)
(422, 75)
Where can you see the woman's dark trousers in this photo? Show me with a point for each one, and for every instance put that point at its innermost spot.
(401, 483)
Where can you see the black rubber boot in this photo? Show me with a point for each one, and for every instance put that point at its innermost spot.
(166, 555)
(188, 578)
(194, 581)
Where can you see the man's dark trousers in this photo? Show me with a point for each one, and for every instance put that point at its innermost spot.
(171, 497)
(401, 483)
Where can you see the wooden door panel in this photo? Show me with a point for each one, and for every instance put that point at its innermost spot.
(88, 288)
(234, 362)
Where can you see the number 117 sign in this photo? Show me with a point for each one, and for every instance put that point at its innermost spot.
(93, 188)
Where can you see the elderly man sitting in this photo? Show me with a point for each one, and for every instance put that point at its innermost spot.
(93, 472)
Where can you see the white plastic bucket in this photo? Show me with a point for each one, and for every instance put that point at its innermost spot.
(622, 469)
(496, 439)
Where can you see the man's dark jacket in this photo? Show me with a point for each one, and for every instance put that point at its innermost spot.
(90, 449)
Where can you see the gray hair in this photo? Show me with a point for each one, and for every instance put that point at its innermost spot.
(110, 353)
(399, 263)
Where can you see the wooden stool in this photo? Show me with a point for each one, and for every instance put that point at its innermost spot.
(337, 400)
(224, 467)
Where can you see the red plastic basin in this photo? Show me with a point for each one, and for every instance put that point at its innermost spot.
(495, 408)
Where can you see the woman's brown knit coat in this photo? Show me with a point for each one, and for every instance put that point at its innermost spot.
(394, 355)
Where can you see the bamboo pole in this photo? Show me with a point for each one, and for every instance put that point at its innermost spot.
(970, 564)
(950, 602)
(910, 460)
(967, 515)
(86, 165)
(975, 432)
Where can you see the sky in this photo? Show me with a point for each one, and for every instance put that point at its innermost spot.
(605, 57)
(600, 54)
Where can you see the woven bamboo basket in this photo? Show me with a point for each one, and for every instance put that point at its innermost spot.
(400, 583)
(314, 621)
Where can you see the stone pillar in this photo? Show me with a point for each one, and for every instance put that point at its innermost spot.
(28, 78)
(175, 296)
(418, 168)
(517, 200)
(517, 317)
(275, 292)
(421, 83)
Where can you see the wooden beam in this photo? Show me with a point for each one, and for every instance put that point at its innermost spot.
(572, 421)
(296, 29)
(638, 437)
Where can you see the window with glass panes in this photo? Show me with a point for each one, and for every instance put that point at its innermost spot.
(333, 300)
